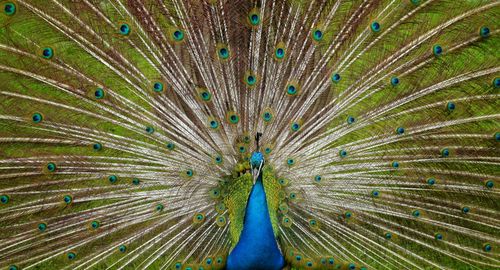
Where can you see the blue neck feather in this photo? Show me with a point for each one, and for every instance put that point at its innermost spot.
(257, 248)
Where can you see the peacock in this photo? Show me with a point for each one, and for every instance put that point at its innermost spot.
(249, 134)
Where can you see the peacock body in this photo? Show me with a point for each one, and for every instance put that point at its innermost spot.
(249, 134)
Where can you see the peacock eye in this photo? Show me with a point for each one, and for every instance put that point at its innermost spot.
(375, 26)
(51, 167)
(124, 29)
(47, 53)
(68, 199)
(178, 35)
(37, 117)
(336, 78)
(122, 248)
(280, 53)
(223, 53)
(9, 9)
(112, 179)
(158, 86)
(318, 35)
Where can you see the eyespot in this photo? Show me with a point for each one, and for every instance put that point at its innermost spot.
(215, 193)
(286, 221)
(112, 179)
(251, 80)
(394, 81)
(223, 53)
(336, 78)
(221, 221)
(416, 213)
(375, 26)
(445, 152)
(170, 146)
(375, 193)
(254, 18)
(71, 255)
(291, 90)
(267, 116)
(317, 178)
(388, 235)
(4, 199)
(68, 199)
(97, 146)
(283, 207)
(214, 124)
(343, 153)
(317, 35)
(290, 162)
(205, 95)
(350, 120)
(431, 181)
(13, 267)
(465, 209)
(487, 247)
(220, 207)
(95, 224)
(279, 53)
(450, 106)
(282, 181)
(37, 117)
(9, 9)
(47, 53)
(395, 164)
(438, 236)
(400, 130)
(51, 167)
(489, 184)
(484, 32)
(124, 29)
(178, 35)
(347, 214)
(42, 227)
(99, 93)
(233, 118)
(150, 130)
(198, 218)
(136, 181)
(437, 50)
(158, 87)
(122, 248)
(218, 159)
(189, 173)
(159, 207)
(295, 126)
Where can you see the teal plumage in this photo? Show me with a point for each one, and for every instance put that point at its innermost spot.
(132, 134)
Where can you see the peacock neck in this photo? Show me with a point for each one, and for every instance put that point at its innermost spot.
(257, 248)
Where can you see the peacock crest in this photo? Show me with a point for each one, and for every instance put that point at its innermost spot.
(249, 134)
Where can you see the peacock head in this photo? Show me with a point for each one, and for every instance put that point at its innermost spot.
(256, 164)
(257, 159)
